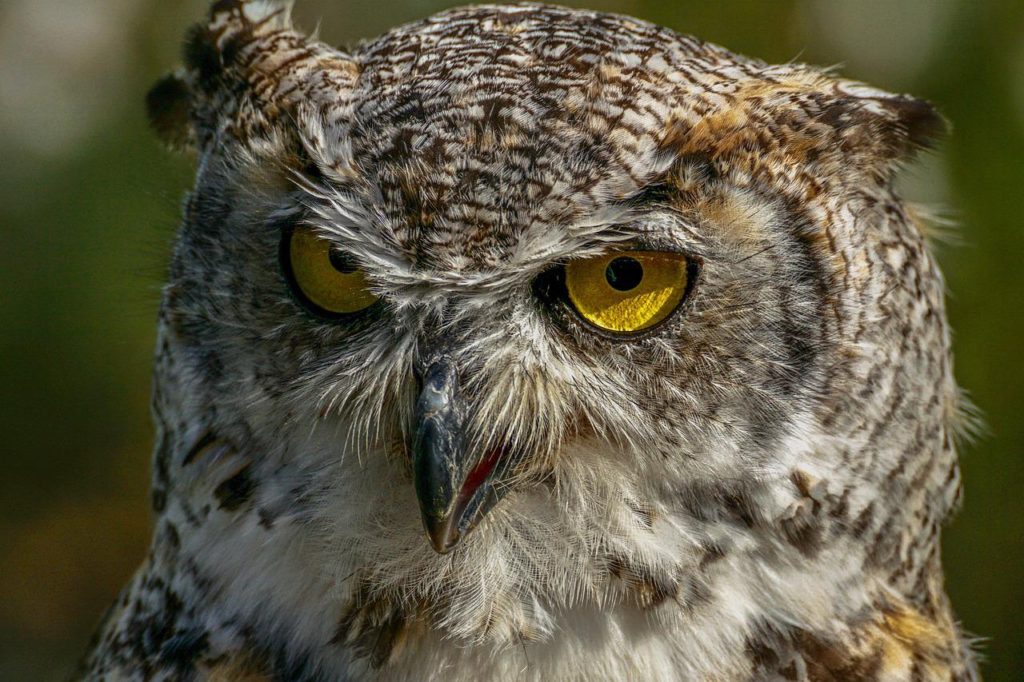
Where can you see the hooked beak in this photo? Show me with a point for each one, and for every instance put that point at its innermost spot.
(455, 487)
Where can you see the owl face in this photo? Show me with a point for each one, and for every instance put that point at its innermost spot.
(475, 366)
(542, 273)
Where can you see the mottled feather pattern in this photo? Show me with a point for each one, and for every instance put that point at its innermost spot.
(753, 490)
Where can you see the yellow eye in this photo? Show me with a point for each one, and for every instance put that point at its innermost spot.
(325, 278)
(627, 291)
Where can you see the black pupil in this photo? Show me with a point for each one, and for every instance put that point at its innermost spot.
(624, 273)
(342, 262)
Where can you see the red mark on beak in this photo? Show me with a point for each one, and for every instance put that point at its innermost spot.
(479, 474)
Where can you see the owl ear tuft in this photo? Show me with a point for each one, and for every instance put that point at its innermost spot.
(893, 127)
(211, 49)
(168, 104)
(806, 116)
(202, 56)
(246, 74)
(920, 125)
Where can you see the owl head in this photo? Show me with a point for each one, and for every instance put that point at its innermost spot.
(587, 300)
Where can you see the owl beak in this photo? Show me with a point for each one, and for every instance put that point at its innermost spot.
(454, 487)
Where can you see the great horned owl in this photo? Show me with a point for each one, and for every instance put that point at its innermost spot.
(636, 329)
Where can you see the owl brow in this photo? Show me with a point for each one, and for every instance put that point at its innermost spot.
(657, 193)
(343, 218)
(592, 241)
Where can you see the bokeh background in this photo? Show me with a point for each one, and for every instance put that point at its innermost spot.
(89, 204)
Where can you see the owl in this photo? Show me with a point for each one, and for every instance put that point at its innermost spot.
(528, 343)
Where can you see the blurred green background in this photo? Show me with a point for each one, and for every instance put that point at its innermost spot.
(89, 205)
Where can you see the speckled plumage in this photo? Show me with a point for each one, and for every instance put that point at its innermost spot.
(753, 490)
